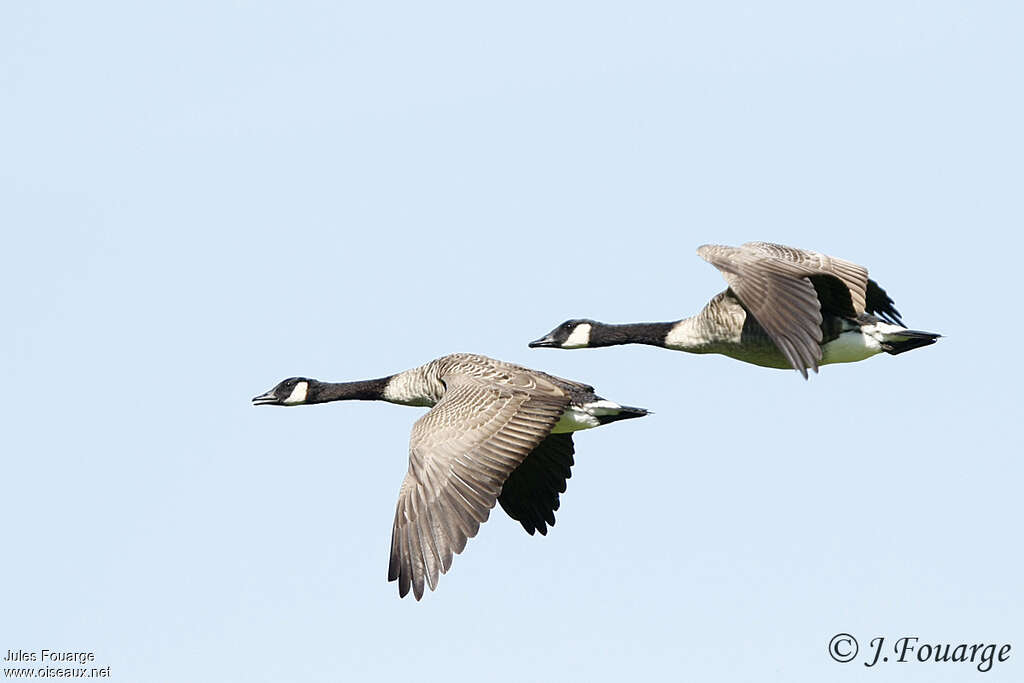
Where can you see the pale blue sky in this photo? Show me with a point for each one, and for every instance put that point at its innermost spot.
(199, 199)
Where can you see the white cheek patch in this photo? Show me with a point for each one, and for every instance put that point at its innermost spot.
(298, 394)
(579, 338)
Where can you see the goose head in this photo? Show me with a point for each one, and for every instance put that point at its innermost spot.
(293, 391)
(572, 334)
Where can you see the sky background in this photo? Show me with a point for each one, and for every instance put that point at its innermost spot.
(199, 199)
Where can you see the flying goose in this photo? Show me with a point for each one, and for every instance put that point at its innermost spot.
(785, 307)
(495, 432)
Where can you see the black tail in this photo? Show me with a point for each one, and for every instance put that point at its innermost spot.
(908, 340)
(625, 413)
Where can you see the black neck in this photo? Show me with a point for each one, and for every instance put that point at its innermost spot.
(367, 390)
(631, 333)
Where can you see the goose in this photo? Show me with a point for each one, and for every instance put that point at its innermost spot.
(495, 432)
(784, 308)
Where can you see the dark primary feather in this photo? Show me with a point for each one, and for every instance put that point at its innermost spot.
(833, 295)
(530, 494)
(879, 303)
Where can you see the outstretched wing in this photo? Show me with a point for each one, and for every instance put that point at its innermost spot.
(460, 455)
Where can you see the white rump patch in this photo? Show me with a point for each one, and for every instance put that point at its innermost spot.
(603, 408)
(298, 394)
(580, 337)
(882, 330)
(576, 418)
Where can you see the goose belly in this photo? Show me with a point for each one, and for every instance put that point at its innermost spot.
(585, 416)
(851, 346)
